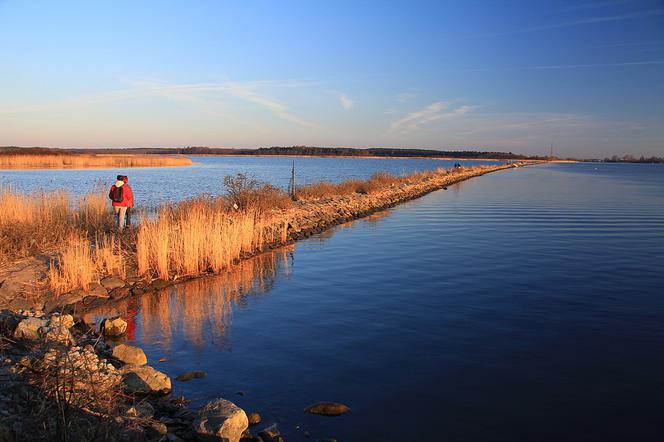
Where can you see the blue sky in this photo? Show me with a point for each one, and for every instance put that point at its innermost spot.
(496, 75)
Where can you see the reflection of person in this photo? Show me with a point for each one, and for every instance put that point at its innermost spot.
(122, 199)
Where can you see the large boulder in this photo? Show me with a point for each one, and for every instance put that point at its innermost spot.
(29, 328)
(145, 380)
(114, 327)
(220, 420)
(112, 282)
(130, 354)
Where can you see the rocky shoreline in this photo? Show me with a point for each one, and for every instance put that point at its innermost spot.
(38, 331)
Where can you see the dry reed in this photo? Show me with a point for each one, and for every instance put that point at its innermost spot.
(43, 221)
(66, 161)
(203, 235)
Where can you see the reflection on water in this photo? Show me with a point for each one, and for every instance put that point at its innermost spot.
(198, 311)
(521, 305)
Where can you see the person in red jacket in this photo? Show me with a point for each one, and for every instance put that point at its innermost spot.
(122, 198)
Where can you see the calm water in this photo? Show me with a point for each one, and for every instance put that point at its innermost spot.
(153, 186)
(522, 305)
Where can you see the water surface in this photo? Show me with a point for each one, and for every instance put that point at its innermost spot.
(521, 305)
(156, 185)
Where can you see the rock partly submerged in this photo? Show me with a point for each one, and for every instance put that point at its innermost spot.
(143, 379)
(327, 408)
(189, 375)
(130, 354)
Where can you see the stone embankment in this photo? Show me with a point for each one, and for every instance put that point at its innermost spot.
(24, 285)
(311, 217)
(60, 379)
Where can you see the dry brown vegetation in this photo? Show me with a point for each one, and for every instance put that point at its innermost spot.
(378, 181)
(196, 236)
(203, 235)
(73, 161)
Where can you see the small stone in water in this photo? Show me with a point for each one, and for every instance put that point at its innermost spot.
(191, 375)
(327, 408)
(254, 418)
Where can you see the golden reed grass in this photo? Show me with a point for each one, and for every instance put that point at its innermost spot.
(66, 161)
(42, 221)
(203, 235)
(83, 262)
(50, 222)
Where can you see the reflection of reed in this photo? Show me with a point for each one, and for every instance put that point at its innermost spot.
(199, 311)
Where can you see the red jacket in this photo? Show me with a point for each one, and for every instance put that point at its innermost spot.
(127, 196)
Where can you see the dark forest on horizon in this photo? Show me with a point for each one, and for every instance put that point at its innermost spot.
(378, 152)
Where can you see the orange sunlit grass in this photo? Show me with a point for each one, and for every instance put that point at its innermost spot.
(74, 161)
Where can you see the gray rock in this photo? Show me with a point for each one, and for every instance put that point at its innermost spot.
(96, 290)
(130, 354)
(113, 326)
(145, 380)
(119, 293)
(222, 420)
(66, 299)
(112, 282)
(29, 328)
(270, 434)
(143, 409)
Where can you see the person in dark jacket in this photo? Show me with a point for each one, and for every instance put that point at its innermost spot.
(122, 198)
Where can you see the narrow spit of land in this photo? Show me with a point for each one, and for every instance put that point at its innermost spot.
(192, 239)
(63, 378)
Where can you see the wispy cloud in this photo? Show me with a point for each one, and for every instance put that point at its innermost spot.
(434, 112)
(346, 102)
(206, 96)
(405, 96)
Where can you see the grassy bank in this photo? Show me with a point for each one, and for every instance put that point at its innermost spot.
(87, 161)
(198, 236)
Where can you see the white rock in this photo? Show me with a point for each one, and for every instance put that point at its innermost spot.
(130, 354)
(114, 327)
(145, 380)
(29, 328)
(221, 419)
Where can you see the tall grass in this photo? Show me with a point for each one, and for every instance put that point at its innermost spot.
(66, 161)
(324, 189)
(203, 235)
(43, 221)
(83, 262)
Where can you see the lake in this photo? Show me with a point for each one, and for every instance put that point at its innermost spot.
(525, 304)
(155, 186)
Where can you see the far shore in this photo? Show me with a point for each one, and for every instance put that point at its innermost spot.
(31, 161)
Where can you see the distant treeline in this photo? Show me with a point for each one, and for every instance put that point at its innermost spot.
(384, 152)
(276, 150)
(633, 159)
